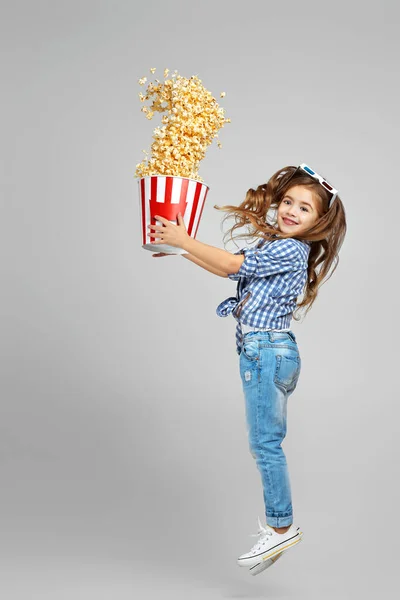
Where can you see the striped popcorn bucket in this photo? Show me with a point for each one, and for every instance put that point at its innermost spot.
(167, 196)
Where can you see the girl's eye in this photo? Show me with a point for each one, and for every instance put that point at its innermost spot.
(288, 201)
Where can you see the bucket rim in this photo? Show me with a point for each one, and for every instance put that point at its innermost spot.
(174, 177)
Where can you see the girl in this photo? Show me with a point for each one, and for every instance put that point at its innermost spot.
(301, 223)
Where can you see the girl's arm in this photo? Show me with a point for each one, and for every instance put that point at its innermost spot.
(215, 258)
(204, 265)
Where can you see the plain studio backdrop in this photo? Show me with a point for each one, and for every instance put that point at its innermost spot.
(124, 461)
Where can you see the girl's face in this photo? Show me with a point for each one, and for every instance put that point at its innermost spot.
(297, 211)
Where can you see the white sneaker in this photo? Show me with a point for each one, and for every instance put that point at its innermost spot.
(269, 545)
(264, 564)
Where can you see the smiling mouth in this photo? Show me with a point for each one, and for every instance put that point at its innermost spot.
(288, 221)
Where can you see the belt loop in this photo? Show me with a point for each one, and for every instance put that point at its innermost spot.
(271, 336)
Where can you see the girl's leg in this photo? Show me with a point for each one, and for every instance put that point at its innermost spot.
(269, 371)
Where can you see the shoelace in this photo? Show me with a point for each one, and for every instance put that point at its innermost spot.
(263, 533)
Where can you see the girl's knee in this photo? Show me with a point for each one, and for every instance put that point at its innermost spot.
(268, 447)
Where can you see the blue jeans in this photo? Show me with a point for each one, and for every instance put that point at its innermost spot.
(269, 368)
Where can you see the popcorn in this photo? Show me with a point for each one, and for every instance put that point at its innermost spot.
(192, 120)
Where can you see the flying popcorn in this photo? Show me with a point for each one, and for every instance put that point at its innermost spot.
(192, 119)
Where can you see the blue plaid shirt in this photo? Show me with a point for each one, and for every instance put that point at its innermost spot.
(270, 279)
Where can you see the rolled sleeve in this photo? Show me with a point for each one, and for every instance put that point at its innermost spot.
(236, 276)
(278, 257)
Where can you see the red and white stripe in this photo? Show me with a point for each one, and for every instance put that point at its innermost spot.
(166, 196)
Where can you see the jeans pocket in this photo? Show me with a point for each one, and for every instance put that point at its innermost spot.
(287, 371)
(251, 349)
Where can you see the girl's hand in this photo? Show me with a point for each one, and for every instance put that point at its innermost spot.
(170, 234)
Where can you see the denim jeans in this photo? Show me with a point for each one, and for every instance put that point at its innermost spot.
(269, 368)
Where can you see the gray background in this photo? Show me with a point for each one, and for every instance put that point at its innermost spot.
(124, 464)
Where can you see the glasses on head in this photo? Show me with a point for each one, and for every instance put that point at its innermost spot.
(322, 181)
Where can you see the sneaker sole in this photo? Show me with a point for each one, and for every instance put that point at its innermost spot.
(265, 564)
(268, 562)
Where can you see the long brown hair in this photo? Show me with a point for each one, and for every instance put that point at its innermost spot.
(258, 212)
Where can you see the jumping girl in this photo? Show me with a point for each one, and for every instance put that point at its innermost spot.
(300, 223)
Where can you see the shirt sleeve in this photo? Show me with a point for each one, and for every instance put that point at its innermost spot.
(279, 256)
(236, 276)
